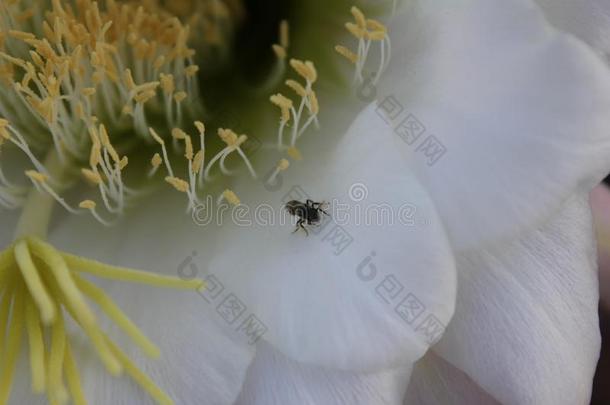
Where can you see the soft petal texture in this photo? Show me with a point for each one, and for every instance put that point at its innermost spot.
(587, 19)
(526, 325)
(274, 379)
(322, 301)
(203, 360)
(520, 108)
(434, 381)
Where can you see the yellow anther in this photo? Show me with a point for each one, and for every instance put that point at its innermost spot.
(96, 156)
(127, 110)
(284, 34)
(294, 153)
(188, 148)
(191, 70)
(180, 96)
(87, 205)
(231, 197)
(156, 160)
(304, 69)
(377, 35)
(313, 103)
(167, 83)
(123, 162)
(200, 127)
(4, 134)
(146, 87)
(228, 136)
(24, 36)
(144, 97)
(159, 62)
(156, 136)
(343, 51)
(283, 164)
(177, 133)
(359, 17)
(36, 176)
(279, 51)
(198, 161)
(355, 30)
(281, 101)
(89, 91)
(374, 25)
(285, 105)
(128, 78)
(297, 87)
(91, 176)
(178, 184)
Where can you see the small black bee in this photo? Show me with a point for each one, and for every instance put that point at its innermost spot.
(307, 212)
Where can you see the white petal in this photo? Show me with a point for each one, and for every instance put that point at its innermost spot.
(520, 111)
(526, 325)
(319, 295)
(203, 359)
(274, 379)
(434, 381)
(587, 19)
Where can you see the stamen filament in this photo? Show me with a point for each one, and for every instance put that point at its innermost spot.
(36, 346)
(115, 314)
(13, 345)
(143, 381)
(128, 275)
(34, 283)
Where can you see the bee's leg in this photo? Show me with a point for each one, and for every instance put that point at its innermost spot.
(301, 225)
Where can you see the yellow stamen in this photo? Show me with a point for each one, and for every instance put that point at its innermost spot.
(143, 381)
(156, 160)
(359, 17)
(231, 197)
(346, 53)
(178, 184)
(34, 283)
(73, 378)
(294, 153)
(13, 345)
(57, 390)
(279, 51)
(128, 275)
(87, 205)
(116, 315)
(36, 345)
(91, 176)
(283, 164)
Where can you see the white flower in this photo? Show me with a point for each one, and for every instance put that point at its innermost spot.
(498, 262)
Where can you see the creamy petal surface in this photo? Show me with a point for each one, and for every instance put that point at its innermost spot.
(526, 326)
(340, 297)
(515, 113)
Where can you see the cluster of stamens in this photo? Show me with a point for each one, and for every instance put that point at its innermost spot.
(368, 32)
(293, 114)
(198, 172)
(39, 288)
(83, 86)
(213, 22)
(87, 84)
